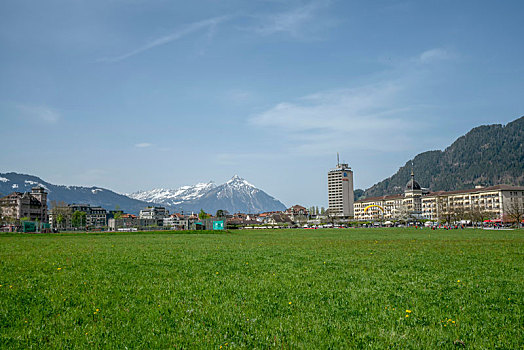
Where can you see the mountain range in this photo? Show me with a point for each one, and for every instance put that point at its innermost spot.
(487, 155)
(11, 182)
(235, 195)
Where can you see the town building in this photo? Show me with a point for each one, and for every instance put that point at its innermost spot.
(416, 203)
(154, 213)
(296, 210)
(61, 217)
(297, 213)
(31, 205)
(340, 191)
(96, 216)
(176, 221)
(494, 202)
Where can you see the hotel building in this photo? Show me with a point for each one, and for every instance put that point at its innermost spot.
(340, 191)
(494, 202)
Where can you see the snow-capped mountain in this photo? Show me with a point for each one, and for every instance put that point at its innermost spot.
(236, 195)
(174, 197)
(14, 182)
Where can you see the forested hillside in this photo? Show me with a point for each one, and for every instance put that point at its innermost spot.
(487, 155)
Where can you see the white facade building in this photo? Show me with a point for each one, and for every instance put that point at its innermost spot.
(340, 191)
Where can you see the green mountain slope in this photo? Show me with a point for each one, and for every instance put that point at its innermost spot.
(487, 155)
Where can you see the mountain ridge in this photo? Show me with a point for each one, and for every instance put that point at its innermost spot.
(487, 155)
(236, 195)
(94, 195)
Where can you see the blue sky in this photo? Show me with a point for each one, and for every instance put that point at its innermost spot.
(141, 94)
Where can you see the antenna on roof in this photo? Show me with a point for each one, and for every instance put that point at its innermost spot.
(338, 159)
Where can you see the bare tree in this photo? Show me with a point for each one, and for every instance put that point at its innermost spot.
(477, 215)
(459, 214)
(515, 211)
(331, 216)
(445, 212)
(300, 219)
(61, 214)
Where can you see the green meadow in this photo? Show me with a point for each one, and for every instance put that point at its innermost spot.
(314, 289)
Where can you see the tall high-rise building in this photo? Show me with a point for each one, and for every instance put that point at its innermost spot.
(340, 191)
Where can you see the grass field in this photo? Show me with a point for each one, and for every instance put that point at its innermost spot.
(347, 288)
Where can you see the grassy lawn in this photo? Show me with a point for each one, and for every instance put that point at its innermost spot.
(347, 288)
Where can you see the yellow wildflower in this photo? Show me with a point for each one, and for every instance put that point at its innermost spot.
(59, 269)
(407, 315)
(289, 303)
(408, 311)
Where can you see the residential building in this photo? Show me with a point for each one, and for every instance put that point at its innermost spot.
(154, 213)
(279, 219)
(340, 191)
(176, 221)
(61, 217)
(31, 205)
(297, 210)
(96, 216)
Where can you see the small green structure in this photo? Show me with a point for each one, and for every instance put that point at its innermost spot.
(28, 226)
(218, 225)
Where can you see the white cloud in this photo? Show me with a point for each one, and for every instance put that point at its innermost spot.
(293, 22)
(437, 54)
(40, 113)
(208, 24)
(143, 145)
(370, 117)
(389, 115)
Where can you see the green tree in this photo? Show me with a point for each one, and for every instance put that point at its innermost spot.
(220, 213)
(202, 215)
(59, 220)
(61, 212)
(79, 219)
(118, 213)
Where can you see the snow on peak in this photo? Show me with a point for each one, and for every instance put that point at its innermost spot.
(238, 181)
(3, 179)
(96, 190)
(36, 184)
(174, 196)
